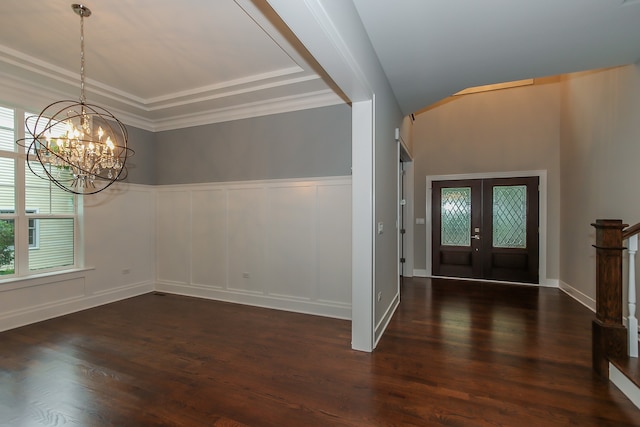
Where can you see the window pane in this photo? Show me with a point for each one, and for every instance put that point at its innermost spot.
(7, 134)
(33, 233)
(7, 187)
(34, 124)
(456, 216)
(7, 243)
(55, 244)
(510, 216)
(44, 197)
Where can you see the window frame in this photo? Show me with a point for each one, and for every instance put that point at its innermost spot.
(35, 227)
(26, 220)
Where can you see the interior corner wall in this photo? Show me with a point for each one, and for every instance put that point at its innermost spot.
(117, 249)
(600, 154)
(119, 254)
(141, 166)
(501, 131)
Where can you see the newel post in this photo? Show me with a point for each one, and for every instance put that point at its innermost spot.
(608, 333)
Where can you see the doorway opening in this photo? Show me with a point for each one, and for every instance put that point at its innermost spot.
(487, 226)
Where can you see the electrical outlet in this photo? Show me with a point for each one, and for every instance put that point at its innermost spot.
(246, 275)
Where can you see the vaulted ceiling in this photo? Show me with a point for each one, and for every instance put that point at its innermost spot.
(430, 49)
(165, 64)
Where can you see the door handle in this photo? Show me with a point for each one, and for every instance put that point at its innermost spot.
(476, 236)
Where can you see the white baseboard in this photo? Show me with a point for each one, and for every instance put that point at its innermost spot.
(550, 283)
(386, 318)
(547, 283)
(420, 273)
(18, 318)
(625, 385)
(583, 299)
(278, 302)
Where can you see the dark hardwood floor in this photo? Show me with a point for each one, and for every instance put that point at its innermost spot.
(455, 354)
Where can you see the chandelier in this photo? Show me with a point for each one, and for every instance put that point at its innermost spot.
(80, 147)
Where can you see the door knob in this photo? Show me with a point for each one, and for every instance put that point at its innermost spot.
(476, 236)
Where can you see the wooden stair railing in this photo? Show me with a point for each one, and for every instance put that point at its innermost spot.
(631, 236)
(609, 335)
(631, 231)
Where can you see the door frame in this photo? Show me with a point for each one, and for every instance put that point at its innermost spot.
(542, 214)
(404, 216)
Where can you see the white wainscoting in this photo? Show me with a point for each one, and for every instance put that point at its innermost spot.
(283, 244)
(119, 258)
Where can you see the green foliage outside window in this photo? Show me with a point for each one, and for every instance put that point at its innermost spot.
(6, 246)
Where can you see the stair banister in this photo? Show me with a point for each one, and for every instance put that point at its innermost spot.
(609, 335)
(631, 235)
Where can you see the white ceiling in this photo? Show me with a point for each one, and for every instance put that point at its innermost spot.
(162, 64)
(430, 49)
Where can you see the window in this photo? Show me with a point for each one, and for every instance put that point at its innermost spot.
(33, 231)
(37, 219)
(32, 228)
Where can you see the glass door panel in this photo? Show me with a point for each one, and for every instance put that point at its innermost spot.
(456, 216)
(510, 216)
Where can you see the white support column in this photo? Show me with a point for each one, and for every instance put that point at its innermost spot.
(362, 243)
(632, 321)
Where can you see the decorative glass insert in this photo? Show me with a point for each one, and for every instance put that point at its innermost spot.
(455, 216)
(510, 216)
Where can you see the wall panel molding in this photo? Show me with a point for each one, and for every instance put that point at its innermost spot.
(282, 244)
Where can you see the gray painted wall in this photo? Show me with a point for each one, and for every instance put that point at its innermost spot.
(307, 143)
(142, 165)
(501, 131)
(600, 151)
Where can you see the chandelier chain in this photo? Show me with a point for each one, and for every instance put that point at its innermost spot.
(83, 98)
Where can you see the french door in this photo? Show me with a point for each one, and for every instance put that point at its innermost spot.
(486, 229)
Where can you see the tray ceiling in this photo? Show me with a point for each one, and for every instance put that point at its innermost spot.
(161, 64)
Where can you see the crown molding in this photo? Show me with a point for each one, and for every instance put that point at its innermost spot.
(30, 84)
(285, 104)
(32, 97)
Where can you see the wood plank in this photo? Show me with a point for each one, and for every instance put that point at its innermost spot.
(455, 354)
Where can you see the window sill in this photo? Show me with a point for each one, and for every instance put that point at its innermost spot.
(40, 279)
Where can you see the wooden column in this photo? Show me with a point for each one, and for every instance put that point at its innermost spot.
(608, 333)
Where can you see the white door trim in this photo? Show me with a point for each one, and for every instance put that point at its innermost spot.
(542, 251)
